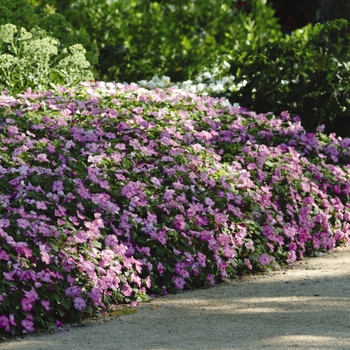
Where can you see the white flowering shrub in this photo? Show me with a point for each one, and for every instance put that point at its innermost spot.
(32, 60)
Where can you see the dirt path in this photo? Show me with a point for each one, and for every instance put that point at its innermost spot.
(306, 307)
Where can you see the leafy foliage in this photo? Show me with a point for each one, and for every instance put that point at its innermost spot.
(141, 38)
(306, 73)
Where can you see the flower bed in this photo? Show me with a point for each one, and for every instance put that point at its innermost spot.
(111, 192)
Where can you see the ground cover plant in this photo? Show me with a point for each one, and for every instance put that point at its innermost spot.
(113, 193)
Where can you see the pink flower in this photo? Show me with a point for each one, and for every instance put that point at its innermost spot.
(264, 259)
(127, 290)
(136, 279)
(106, 256)
(250, 245)
(201, 259)
(148, 282)
(31, 294)
(4, 223)
(45, 257)
(248, 263)
(291, 256)
(220, 218)
(79, 303)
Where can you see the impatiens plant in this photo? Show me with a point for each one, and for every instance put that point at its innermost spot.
(111, 192)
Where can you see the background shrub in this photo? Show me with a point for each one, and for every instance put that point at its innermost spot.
(138, 39)
(306, 73)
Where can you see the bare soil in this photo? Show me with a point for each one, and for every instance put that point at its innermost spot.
(305, 306)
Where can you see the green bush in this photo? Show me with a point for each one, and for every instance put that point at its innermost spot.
(306, 73)
(32, 59)
(138, 39)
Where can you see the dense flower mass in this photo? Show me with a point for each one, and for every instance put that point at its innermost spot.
(112, 192)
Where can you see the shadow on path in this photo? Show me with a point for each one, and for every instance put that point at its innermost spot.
(306, 307)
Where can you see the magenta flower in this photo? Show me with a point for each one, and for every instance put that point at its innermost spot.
(4, 323)
(27, 304)
(179, 222)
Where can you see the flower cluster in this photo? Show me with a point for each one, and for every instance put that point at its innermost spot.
(113, 192)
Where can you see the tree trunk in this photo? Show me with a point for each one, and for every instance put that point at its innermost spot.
(333, 9)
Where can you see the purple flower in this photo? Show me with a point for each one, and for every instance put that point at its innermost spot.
(160, 268)
(57, 186)
(179, 282)
(79, 303)
(4, 255)
(73, 291)
(127, 290)
(27, 304)
(129, 189)
(45, 304)
(248, 263)
(211, 279)
(28, 324)
(264, 259)
(42, 157)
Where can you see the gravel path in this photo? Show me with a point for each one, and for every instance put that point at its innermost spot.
(303, 307)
